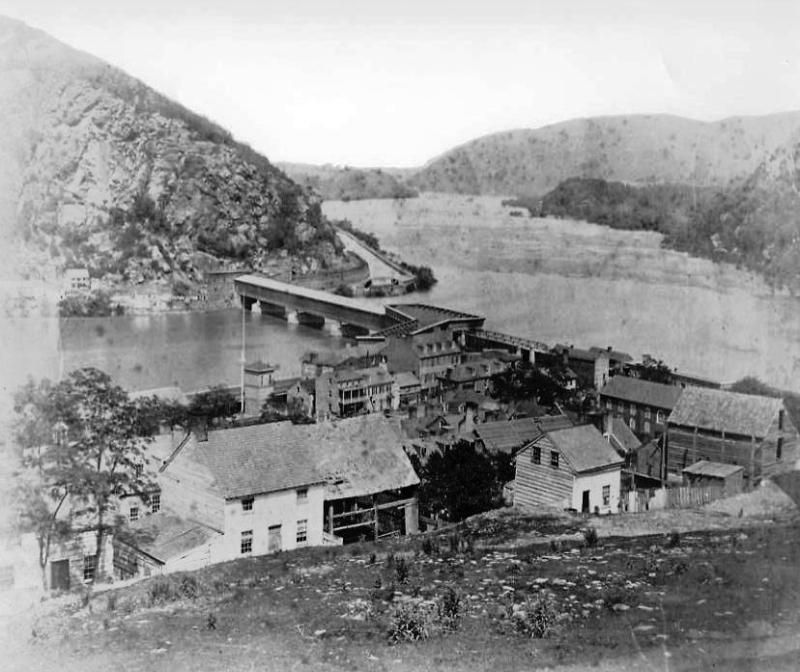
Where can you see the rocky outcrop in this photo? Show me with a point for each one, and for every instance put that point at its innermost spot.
(98, 169)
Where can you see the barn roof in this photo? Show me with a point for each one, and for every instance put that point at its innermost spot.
(641, 391)
(503, 436)
(714, 469)
(725, 411)
(166, 536)
(584, 447)
(354, 457)
(620, 434)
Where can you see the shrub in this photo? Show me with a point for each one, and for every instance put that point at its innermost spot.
(111, 601)
(411, 622)
(590, 537)
(401, 571)
(427, 546)
(535, 617)
(449, 610)
(674, 539)
(344, 290)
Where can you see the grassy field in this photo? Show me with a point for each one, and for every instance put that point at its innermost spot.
(502, 591)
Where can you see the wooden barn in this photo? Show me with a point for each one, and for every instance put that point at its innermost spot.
(572, 468)
(751, 431)
(704, 474)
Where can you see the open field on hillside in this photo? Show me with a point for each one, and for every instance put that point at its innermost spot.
(501, 591)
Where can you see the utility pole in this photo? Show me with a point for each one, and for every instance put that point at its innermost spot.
(242, 359)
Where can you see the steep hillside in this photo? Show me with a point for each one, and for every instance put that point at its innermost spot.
(636, 148)
(335, 183)
(97, 169)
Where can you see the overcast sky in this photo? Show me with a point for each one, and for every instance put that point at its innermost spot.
(354, 82)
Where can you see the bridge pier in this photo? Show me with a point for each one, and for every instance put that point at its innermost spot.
(333, 327)
(291, 317)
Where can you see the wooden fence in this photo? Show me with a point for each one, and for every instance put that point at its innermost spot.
(688, 497)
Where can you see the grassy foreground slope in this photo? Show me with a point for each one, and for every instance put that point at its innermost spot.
(501, 591)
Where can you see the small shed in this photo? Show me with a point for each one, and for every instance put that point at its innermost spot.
(704, 473)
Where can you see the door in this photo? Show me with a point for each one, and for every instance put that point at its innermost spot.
(585, 502)
(59, 575)
(274, 539)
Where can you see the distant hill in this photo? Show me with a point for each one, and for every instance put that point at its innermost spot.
(634, 148)
(335, 183)
(99, 170)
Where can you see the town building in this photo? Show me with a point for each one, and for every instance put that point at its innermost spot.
(590, 369)
(363, 356)
(474, 374)
(751, 431)
(509, 436)
(77, 280)
(643, 405)
(346, 392)
(277, 486)
(572, 468)
(728, 477)
(259, 385)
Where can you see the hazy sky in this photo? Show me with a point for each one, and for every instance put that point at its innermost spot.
(364, 82)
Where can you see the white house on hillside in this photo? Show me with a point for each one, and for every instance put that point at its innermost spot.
(572, 468)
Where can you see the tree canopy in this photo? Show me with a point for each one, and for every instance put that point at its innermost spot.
(80, 445)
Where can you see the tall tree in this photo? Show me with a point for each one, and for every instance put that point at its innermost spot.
(80, 445)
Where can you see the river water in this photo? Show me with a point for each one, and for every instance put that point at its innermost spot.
(555, 281)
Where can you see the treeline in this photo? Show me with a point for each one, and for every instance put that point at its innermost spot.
(747, 225)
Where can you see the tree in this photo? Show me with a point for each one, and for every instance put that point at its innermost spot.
(459, 482)
(657, 373)
(80, 446)
(217, 402)
(526, 381)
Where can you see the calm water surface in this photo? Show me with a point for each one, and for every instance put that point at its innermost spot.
(555, 281)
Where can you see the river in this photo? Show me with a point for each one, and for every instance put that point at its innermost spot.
(555, 281)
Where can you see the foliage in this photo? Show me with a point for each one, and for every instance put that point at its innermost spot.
(590, 537)
(79, 445)
(215, 403)
(412, 622)
(751, 385)
(526, 381)
(458, 482)
(174, 587)
(424, 277)
(656, 372)
(747, 224)
(449, 609)
(344, 290)
(369, 239)
(88, 304)
(535, 617)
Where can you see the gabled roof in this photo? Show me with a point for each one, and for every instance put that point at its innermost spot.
(165, 536)
(584, 448)
(642, 392)
(724, 411)
(613, 355)
(504, 436)
(406, 379)
(621, 436)
(342, 355)
(714, 469)
(354, 457)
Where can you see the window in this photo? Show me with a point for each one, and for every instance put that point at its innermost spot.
(302, 531)
(155, 503)
(536, 455)
(606, 495)
(302, 495)
(608, 404)
(89, 567)
(554, 459)
(633, 410)
(647, 413)
(659, 417)
(632, 423)
(646, 426)
(134, 514)
(137, 470)
(779, 450)
(247, 504)
(246, 545)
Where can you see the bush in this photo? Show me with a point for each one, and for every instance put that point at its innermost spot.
(449, 610)
(412, 622)
(535, 617)
(590, 537)
(344, 290)
(401, 571)
(674, 539)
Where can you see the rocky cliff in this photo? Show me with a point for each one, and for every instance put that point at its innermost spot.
(99, 170)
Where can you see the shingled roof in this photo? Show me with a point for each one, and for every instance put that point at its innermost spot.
(584, 448)
(642, 392)
(504, 436)
(724, 411)
(354, 457)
